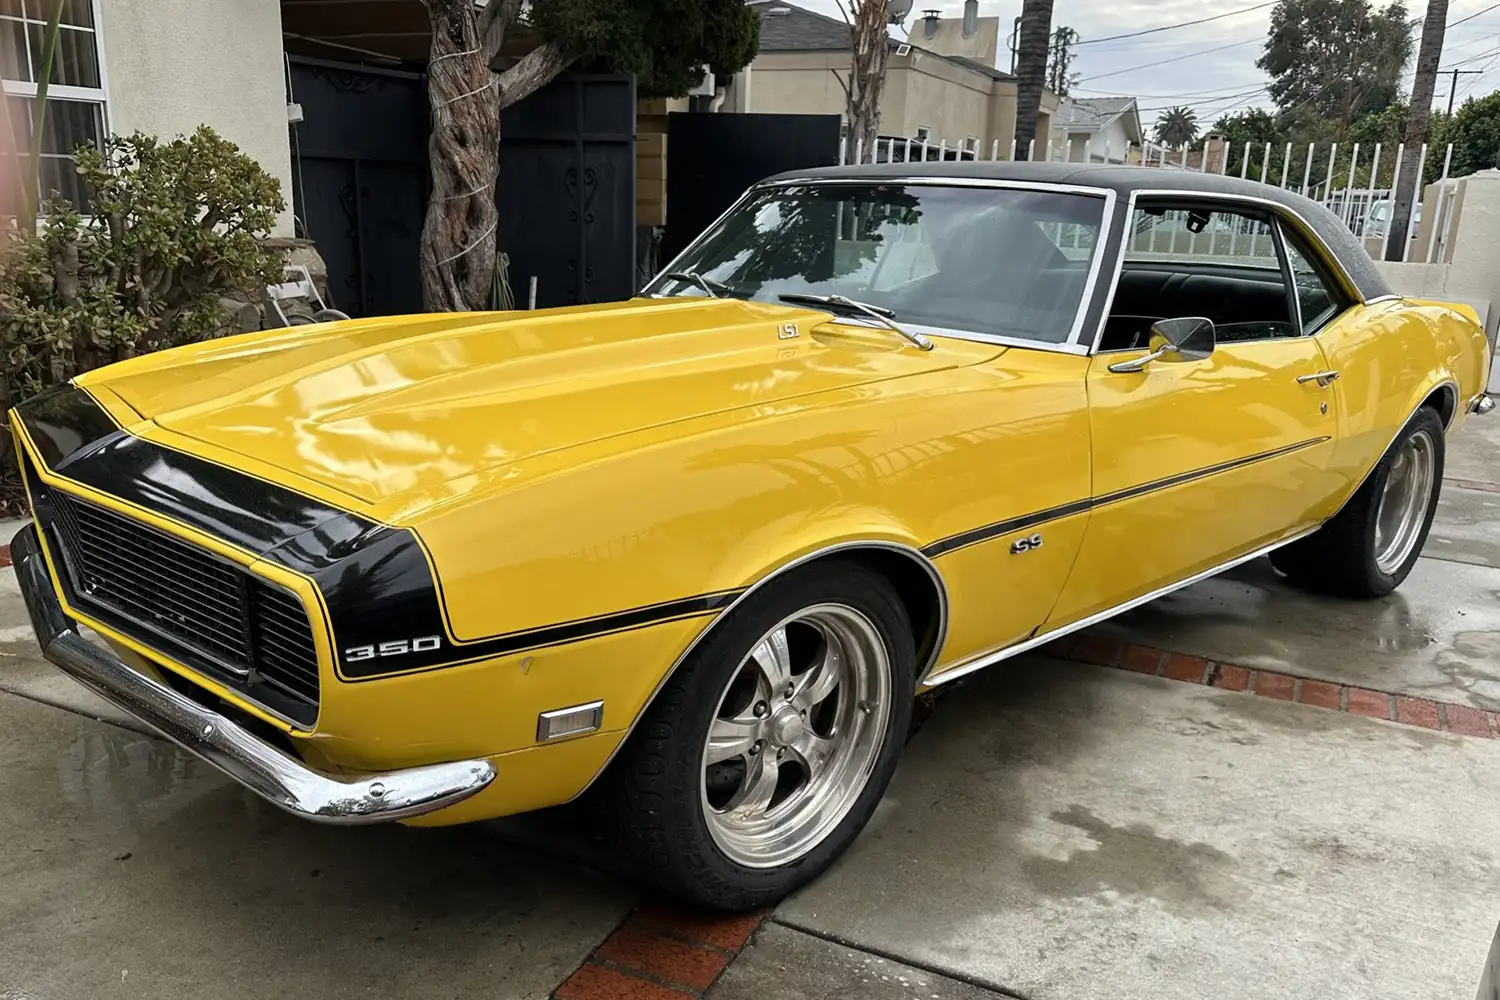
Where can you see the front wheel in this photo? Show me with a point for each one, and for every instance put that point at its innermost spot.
(766, 752)
(1368, 548)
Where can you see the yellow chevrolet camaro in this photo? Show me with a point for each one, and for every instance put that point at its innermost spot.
(877, 429)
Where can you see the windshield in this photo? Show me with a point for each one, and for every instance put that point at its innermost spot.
(967, 259)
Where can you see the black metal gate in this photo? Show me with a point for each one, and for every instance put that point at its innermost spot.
(567, 191)
(713, 158)
(359, 185)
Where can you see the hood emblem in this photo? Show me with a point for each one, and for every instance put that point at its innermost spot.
(788, 331)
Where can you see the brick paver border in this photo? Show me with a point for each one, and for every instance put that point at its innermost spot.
(663, 951)
(1471, 484)
(1443, 716)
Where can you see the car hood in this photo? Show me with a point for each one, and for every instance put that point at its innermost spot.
(376, 408)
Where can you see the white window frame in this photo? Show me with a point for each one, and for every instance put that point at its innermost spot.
(91, 95)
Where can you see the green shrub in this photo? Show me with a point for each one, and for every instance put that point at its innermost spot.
(172, 228)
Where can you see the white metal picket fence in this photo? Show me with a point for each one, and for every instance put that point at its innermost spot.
(1353, 181)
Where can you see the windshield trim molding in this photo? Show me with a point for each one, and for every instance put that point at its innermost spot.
(1072, 344)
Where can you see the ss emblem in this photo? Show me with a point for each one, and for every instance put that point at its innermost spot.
(1021, 545)
(398, 647)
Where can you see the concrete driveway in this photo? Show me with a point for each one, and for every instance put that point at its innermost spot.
(1061, 829)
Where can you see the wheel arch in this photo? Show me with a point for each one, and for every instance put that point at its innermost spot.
(916, 581)
(1444, 399)
(1440, 396)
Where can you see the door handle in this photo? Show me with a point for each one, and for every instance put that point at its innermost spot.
(1324, 379)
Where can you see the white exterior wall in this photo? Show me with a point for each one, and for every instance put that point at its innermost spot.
(172, 65)
(1473, 277)
(1084, 146)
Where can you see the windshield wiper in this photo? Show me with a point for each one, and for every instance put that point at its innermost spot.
(879, 314)
(709, 285)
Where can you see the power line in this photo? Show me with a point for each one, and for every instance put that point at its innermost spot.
(1465, 62)
(1240, 98)
(1184, 24)
(1201, 93)
(1454, 24)
(1163, 62)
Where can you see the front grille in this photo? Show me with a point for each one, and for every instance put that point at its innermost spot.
(155, 587)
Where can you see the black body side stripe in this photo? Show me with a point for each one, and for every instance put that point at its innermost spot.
(989, 531)
(574, 631)
(1008, 527)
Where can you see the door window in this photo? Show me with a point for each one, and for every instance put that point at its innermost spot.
(1213, 261)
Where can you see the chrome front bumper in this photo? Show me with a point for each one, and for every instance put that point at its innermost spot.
(254, 763)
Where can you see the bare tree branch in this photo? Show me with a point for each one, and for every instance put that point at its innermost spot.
(840, 79)
(532, 72)
(494, 21)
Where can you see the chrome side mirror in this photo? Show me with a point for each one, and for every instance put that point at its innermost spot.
(1174, 341)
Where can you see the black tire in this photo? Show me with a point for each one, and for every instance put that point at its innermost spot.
(653, 791)
(1340, 558)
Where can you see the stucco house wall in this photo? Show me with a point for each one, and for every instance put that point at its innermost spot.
(953, 102)
(799, 83)
(175, 64)
(950, 100)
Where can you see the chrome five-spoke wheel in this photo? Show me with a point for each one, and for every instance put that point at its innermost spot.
(1401, 518)
(796, 734)
(768, 748)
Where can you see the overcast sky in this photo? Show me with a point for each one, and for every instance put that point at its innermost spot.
(1211, 81)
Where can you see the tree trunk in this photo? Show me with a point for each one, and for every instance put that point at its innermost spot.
(458, 238)
(466, 97)
(1428, 57)
(1031, 71)
(866, 78)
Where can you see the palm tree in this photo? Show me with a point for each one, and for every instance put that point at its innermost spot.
(1032, 43)
(1177, 127)
(1422, 87)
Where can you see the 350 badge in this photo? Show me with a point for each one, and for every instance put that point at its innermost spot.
(396, 647)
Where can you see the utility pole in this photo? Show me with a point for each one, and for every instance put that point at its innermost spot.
(1453, 91)
(1429, 55)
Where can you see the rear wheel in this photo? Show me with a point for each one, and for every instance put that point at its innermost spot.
(1369, 547)
(766, 752)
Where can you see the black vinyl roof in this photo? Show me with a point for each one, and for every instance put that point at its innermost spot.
(1125, 181)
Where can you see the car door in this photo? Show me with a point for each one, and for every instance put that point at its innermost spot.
(1196, 463)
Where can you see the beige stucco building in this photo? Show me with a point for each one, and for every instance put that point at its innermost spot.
(943, 86)
(160, 66)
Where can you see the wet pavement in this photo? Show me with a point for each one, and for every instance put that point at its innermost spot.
(1064, 831)
(132, 870)
(1055, 831)
(1437, 637)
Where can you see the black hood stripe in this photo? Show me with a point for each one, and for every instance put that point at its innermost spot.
(376, 581)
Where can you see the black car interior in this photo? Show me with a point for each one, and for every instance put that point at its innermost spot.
(1246, 301)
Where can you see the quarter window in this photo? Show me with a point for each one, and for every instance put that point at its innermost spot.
(75, 110)
(1317, 298)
